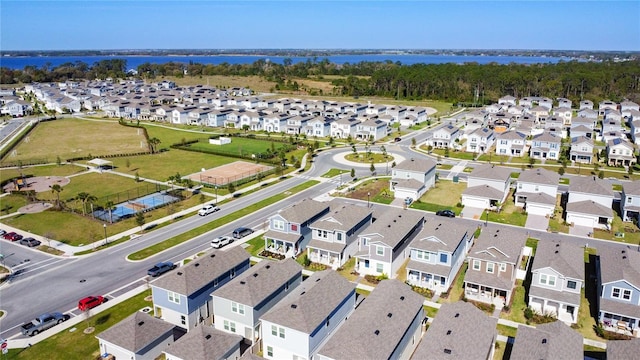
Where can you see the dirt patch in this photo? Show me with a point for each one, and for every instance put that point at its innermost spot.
(373, 188)
(221, 175)
(37, 183)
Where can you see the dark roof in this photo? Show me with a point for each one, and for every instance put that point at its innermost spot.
(202, 271)
(204, 343)
(459, 331)
(136, 332)
(564, 257)
(310, 304)
(547, 341)
(376, 327)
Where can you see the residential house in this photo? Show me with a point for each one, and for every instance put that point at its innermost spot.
(588, 122)
(620, 152)
(545, 146)
(526, 102)
(546, 342)
(580, 131)
(635, 131)
(437, 253)
(460, 331)
(627, 108)
(17, 108)
(343, 128)
(180, 115)
(205, 343)
(619, 290)
(444, 137)
(540, 112)
(412, 178)
(381, 247)
(487, 187)
(386, 325)
(319, 126)
(511, 143)
(238, 306)
(586, 104)
(564, 103)
(494, 108)
(630, 201)
(289, 231)
(557, 279)
(606, 105)
(589, 202)
(623, 349)
(555, 126)
(581, 150)
(182, 297)
(304, 320)
(138, 337)
(296, 124)
(536, 191)
(611, 125)
(507, 100)
(588, 113)
(545, 102)
(419, 113)
(276, 122)
(564, 114)
(493, 264)
(371, 129)
(480, 140)
(216, 117)
(333, 237)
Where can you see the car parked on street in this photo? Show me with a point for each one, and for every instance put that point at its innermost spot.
(161, 268)
(221, 241)
(447, 213)
(30, 242)
(90, 302)
(43, 322)
(12, 236)
(2, 232)
(208, 209)
(397, 139)
(241, 232)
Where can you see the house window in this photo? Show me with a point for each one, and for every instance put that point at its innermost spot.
(503, 267)
(490, 267)
(230, 326)
(379, 250)
(232, 273)
(269, 351)
(215, 282)
(174, 297)
(278, 225)
(443, 258)
(380, 268)
(281, 332)
(237, 308)
(274, 330)
(476, 264)
(547, 279)
(339, 236)
(623, 294)
(519, 186)
(571, 284)
(629, 199)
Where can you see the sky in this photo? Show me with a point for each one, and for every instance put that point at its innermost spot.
(315, 24)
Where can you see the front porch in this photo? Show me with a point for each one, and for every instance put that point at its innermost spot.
(568, 314)
(282, 247)
(433, 282)
(334, 260)
(620, 324)
(486, 294)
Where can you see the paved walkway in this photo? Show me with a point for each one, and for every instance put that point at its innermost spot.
(457, 169)
(537, 222)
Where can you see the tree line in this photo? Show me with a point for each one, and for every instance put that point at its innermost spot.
(469, 83)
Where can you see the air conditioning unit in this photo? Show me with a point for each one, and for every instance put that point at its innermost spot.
(146, 309)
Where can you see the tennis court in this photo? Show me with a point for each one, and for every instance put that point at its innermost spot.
(129, 208)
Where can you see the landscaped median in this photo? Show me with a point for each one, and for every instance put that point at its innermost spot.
(179, 239)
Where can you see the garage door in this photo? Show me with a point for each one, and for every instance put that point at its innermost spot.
(534, 209)
(402, 194)
(475, 202)
(580, 220)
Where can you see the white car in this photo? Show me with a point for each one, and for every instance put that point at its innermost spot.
(208, 209)
(221, 241)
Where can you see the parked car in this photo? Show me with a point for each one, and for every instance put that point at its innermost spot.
(12, 236)
(90, 302)
(447, 213)
(208, 209)
(408, 201)
(161, 268)
(43, 322)
(2, 232)
(241, 232)
(221, 241)
(30, 242)
(397, 139)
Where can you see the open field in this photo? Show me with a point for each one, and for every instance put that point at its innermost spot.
(445, 193)
(109, 184)
(255, 83)
(69, 138)
(242, 146)
(47, 170)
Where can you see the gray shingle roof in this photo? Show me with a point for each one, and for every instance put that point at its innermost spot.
(623, 349)
(563, 257)
(202, 271)
(136, 332)
(589, 207)
(511, 135)
(631, 188)
(303, 210)
(376, 327)
(539, 176)
(484, 191)
(499, 245)
(546, 342)
(204, 343)
(590, 185)
(549, 294)
(618, 265)
(441, 234)
(391, 226)
(619, 308)
(538, 198)
(459, 331)
(491, 172)
(342, 216)
(412, 184)
(260, 281)
(310, 304)
(417, 165)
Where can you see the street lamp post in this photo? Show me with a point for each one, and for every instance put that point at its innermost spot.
(216, 187)
(368, 195)
(486, 219)
(106, 240)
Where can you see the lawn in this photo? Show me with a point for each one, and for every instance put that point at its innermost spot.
(620, 231)
(70, 138)
(48, 170)
(454, 154)
(456, 292)
(501, 349)
(241, 146)
(507, 330)
(68, 345)
(376, 158)
(445, 194)
(347, 268)
(11, 203)
(169, 134)
(100, 186)
(509, 214)
(378, 190)
(255, 245)
(518, 304)
(335, 172)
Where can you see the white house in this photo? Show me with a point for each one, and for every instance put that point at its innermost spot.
(511, 143)
(590, 202)
(487, 186)
(536, 191)
(412, 178)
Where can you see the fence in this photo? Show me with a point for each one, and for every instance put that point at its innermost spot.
(130, 194)
(236, 180)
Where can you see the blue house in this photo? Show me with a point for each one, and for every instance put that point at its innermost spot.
(619, 291)
(183, 297)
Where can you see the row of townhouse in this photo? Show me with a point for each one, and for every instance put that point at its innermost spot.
(14, 106)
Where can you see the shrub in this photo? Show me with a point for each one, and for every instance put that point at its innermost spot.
(306, 261)
(528, 313)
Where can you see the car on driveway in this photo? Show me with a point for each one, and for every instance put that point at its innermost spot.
(221, 241)
(12, 236)
(161, 268)
(90, 302)
(30, 242)
(447, 213)
(208, 209)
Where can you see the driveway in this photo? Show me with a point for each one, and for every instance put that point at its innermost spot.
(578, 230)
(537, 222)
(471, 213)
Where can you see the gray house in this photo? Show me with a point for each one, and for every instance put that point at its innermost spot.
(387, 325)
(183, 297)
(205, 343)
(460, 331)
(308, 316)
(412, 178)
(238, 306)
(630, 201)
(547, 341)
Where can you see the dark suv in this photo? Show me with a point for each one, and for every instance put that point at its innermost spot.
(242, 232)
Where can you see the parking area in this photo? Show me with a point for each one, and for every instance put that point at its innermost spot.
(471, 213)
(578, 230)
(537, 222)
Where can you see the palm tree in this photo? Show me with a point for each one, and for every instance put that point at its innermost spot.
(153, 143)
(109, 205)
(85, 198)
(56, 189)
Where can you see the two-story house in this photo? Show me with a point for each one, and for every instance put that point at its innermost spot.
(630, 201)
(412, 178)
(606, 105)
(444, 137)
(386, 325)
(480, 140)
(289, 231)
(319, 126)
(620, 152)
(344, 128)
(589, 202)
(182, 297)
(333, 236)
(545, 146)
(460, 331)
(297, 326)
(493, 263)
(437, 253)
(619, 290)
(558, 277)
(371, 129)
(238, 306)
(276, 122)
(586, 104)
(581, 150)
(381, 247)
(536, 191)
(548, 341)
(511, 143)
(507, 100)
(205, 342)
(487, 187)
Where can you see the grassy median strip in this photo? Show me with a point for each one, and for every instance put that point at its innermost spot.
(176, 240)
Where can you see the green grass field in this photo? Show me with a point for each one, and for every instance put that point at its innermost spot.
(48, 170)
(240, 146)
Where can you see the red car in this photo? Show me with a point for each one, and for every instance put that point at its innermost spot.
(90, 302)
(12, 236)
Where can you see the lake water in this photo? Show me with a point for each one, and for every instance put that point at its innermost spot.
(134, 61)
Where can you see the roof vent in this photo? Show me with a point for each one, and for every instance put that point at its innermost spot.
(456, 315)
(389, 315)
(294, 306)
(557, 245)
(624, 251)
(556, 251)
(401, 298)
(495, 235)
(212, 255)
(447, 351)
(196, 264)
(179, 273)
(624, 256)
(208, 336)
(255, 275)
(268, 267)
(302, 293)
(242, 282)
(141, 323)
(389, 225)
(400, 215)
(544, 341)
(377, 332)
(448, 332)
(318, 279)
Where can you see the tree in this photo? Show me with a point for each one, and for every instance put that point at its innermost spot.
(531, 162)
(372, 168)
(601, 174)
(85, 197)
(231, 188)
(413, 142)
(561, 171)
(56, 189)
(446, 152)
(353, 173)
(246, 128)
(353, 148)
(109, 206)
(153, 143)
(630, 170)
(140, 220)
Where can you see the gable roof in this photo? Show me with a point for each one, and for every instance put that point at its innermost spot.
(618, 265)
(303, 210)
(512, 135)
(136, 332)
(375, 328)
(418, 165)
(256, 284)
(460, 331)
(563, 257)
(547, 341)
(631, 188)
(623, 349)
(539, 176)
(500, 245)
(589, 207)
(202, 271)
(441, 234)
(591, 185)
(311, 303)
(342, 216)
(204, 343)
(392, 226)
